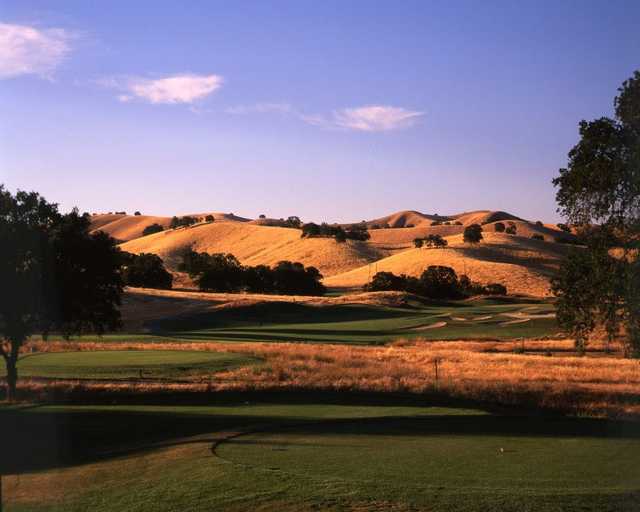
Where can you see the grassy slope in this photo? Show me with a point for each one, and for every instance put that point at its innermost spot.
(254, 245)
(157, 364)
(416, 458)
(522, 265)
(359, 324)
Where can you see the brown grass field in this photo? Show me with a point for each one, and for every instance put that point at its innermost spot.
(547, 376)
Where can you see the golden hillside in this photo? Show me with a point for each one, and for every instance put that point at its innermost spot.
(129, 227)
(523, 265)
(254, 245)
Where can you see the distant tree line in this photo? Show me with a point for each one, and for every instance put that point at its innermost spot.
(340, 234)
(436, 282)
(224, 273)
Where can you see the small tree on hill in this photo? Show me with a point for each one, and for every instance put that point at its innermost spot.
(511, 229)
(151, 229)
(418, 242)
(137, 213)
(472, 234)
(499, 227)
(435, 241)
(209, 218)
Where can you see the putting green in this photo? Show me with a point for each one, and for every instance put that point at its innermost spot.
(449, 456)
(128, 364)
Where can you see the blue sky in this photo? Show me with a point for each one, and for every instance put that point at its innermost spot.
(336, 111)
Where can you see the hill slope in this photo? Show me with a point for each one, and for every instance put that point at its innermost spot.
(523, 265)
(254, 245)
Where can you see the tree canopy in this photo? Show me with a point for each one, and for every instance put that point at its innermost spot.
(599, 194)
(62, 277)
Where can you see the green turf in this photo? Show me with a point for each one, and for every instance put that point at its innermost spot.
(128, 364)
(329, 457)
(359, 324)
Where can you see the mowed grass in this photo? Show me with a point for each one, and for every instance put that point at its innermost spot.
(129, 364)
(364, 324)
(315, 457)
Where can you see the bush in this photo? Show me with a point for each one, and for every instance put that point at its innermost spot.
(537, 236)
(209, 218)
(511, 229)
(495, 289)
(185, 221)
(224, 273)
(137, 213)
(472, 234)
(418, 243)
(151, 229)
(145, 271)
(499, 227)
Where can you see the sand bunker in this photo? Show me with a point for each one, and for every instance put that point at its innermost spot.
(511, 322)
(430, 326)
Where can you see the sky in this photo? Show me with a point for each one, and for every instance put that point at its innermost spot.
(331, 111)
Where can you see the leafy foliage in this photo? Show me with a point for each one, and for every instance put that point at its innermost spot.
(601, 186)
(472, 234)
(146, 271)
(151, 229)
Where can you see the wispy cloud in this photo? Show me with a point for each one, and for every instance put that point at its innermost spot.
(375, 118)
(369, 118)
(27, 50)
(261, 108)
(184, 88)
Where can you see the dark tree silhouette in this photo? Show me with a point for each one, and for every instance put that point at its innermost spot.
(151, 229)
(145, 271)
(472, 234)
(499, 227)
(60, 276)
(418, 242)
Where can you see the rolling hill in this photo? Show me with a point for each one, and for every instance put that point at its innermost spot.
(523, 265)
(254, 245)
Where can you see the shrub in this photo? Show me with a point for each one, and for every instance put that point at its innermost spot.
(145, 271)
(472, 234)
(151, 229)
(137, 213)
(511, 229)
(499, 227)
(418, 243)
(495, 289)
(209, 218)
(435, 241)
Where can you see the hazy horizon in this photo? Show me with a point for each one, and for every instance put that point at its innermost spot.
(336, 112)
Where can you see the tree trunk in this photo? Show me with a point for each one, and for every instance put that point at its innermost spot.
(12, 378)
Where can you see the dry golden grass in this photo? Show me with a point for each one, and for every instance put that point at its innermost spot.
(256, 245)
(523, 265)
(606, 385)
(126, 227)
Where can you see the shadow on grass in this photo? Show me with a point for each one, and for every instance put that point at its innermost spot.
(37, 439)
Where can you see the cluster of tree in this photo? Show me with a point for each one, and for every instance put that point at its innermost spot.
(224, 273)
(120, 213)
(446, 223)
(599, 194)
(435, 241)
(145, 271)
(436, 282)
(353, 232)
(185, 221)
(472, 234)
(537, 236)
(57, 275)
(386, 225)
(151, 229)
(564, 227)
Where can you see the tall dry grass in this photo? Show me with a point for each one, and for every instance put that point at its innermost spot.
(605, 385)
